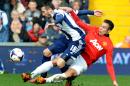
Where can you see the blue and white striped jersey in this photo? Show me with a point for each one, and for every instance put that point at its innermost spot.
(68, 25)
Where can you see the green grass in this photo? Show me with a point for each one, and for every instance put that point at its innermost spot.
(83, 80)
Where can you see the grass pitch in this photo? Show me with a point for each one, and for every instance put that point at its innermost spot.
(83, 80)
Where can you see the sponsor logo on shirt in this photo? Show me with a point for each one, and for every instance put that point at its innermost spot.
(96, 44)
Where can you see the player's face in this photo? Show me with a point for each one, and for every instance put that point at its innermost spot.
(50, 11)
(76, 6)
(104, 29)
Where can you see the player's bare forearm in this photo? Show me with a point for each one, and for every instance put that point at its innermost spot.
(67, 9)
(49, 25)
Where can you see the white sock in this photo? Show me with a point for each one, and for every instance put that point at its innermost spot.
(42, 69)
(56, 78)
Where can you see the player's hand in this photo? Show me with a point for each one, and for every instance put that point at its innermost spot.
(49, 25)
(67, 9)
(98, 13)
(115, 83)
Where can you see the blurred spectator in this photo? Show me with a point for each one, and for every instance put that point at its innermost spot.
(24, 21)
(76, 6)
(64, 3)
(17, 33)
(3, 15)
(124, 44)
(14, 15)
(85, 4)
(31, 13)
(5, 5)
(29, 24)
(4, 30)
(20, 7)
(41, 3)
(25, 3)
(32, 10)
(56, 3)
(4, 35)
(35, 32)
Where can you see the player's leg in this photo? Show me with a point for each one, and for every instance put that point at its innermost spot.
(75, 69)
(69, 81)
(46, 57)
(45, 67)
(58, 46)
(47, 53)
(73, 49)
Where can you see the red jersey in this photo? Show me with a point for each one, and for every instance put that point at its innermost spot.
(96, 45)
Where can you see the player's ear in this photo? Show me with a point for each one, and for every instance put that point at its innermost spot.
(109, 31)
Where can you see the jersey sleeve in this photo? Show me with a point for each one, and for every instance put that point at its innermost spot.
(85, 12)
(80, 23)
(109, 64)
(58, 16)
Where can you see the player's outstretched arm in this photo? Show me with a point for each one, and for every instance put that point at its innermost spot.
(110, 67)
(83, 12)
(97, 13)
(78, 21)
(67, 9)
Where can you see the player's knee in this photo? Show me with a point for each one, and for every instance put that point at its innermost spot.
(60, 62)
(71, 73)
(47, 52)
(54, 62)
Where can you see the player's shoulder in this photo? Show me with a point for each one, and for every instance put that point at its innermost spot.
(93, 28)
(109, 42)
(59, 12)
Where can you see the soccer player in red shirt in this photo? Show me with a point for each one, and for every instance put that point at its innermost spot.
(98, 43)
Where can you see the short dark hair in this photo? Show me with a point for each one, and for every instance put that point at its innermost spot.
(111, 24)
(52, 6)
(72, 3)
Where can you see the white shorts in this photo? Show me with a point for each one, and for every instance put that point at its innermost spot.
(78, 64)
